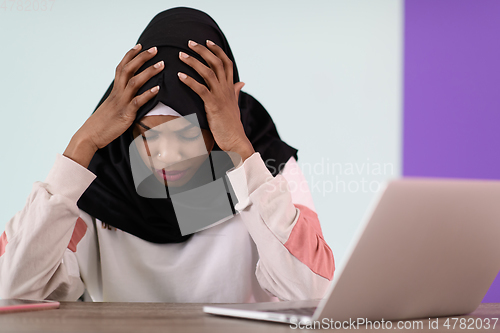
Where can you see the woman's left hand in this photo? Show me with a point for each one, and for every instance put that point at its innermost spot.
(220, 98)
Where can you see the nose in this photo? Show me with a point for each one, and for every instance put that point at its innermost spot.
(167, 153)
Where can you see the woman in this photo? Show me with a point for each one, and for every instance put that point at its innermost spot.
(93, 227)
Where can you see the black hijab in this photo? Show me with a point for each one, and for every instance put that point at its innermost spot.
(112, 197)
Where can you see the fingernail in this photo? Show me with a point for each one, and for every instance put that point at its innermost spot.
(183, 55)
(192, 43)
(158, 64)
(152, 50)
(155, 89)
(209, 42)
(137, 47)
(182, 75)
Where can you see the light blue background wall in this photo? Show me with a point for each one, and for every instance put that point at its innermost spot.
(329, 72)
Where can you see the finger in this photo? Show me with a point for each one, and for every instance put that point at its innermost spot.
(237, 89)
(206, 73)
(140, 100)
(212, 60)
(197, 87)
(136, 82)
(126, 58)
(128, 70)
(228, 64)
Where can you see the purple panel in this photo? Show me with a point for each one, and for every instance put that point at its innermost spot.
(452, 92)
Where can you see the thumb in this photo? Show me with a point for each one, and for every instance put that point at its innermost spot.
(237, 88)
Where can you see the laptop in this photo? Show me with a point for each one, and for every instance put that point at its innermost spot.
(427, 248)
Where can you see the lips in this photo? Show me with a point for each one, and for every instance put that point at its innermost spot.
(171, 176)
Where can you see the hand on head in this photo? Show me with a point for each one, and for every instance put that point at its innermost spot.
(220, 97)
(117, 113)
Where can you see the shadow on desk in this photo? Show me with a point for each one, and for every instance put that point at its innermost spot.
(176, 317)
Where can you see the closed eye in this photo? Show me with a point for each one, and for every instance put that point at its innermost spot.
(190, 138)
(189, 133)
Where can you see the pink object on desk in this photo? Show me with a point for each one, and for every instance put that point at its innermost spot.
(15, 305)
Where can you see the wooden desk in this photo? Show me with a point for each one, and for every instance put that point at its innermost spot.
(164, 317)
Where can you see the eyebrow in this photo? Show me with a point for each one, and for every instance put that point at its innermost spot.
(181, 130)
(146, 127)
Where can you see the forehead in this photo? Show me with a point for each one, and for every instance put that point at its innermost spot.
(173, 123)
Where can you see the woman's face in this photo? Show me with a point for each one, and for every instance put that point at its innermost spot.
(173, 147)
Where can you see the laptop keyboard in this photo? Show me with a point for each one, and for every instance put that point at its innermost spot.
(296, 311)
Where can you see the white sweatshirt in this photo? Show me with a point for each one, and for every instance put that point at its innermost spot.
(272, 250)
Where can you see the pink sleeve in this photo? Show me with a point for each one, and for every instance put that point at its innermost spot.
(307, 244)
(295, 261)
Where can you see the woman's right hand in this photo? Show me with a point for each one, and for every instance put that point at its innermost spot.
(118, 111)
